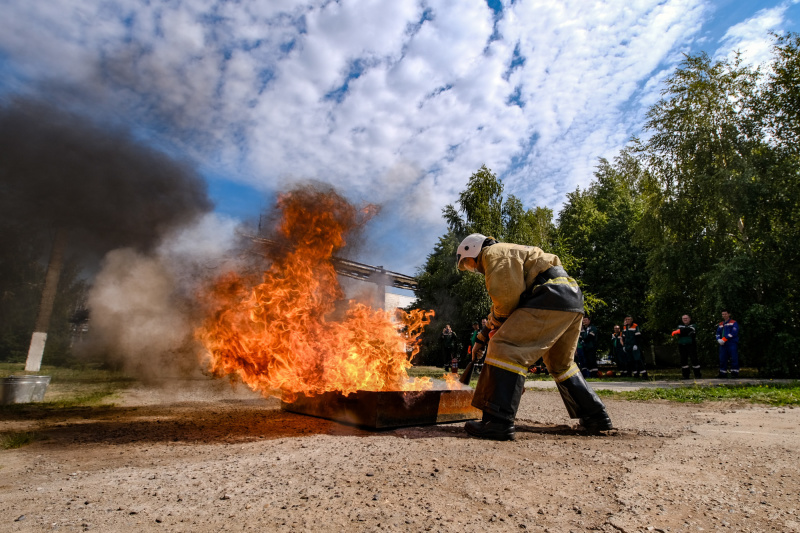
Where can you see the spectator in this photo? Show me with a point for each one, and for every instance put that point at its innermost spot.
(687, 345)
(476, 328)
(618, 355)
(536, 312)
(728, 339)
(579, 359)
(589, 340)
(449, 345)
(632, 337)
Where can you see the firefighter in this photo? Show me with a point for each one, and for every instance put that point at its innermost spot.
(618, 355)
(536, 312)
(589, 339)
(632, 337)
(687, 346)
(728, 339)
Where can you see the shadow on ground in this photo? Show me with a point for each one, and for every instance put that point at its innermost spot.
(225, 421)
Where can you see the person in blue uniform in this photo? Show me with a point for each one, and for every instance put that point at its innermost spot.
(728, 340)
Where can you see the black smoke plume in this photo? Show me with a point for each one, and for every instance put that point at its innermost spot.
(61, 170)
(107, 189)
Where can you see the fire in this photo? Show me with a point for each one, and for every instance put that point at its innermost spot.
(291, 332)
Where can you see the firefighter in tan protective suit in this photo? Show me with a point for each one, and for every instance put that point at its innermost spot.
(537, 311)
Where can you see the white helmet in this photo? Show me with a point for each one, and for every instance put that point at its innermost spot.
(470, 247)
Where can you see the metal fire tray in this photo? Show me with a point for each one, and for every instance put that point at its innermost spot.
(382, 410)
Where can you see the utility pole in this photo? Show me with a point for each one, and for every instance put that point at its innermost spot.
(39, 337)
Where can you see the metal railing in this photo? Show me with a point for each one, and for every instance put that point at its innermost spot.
(361, 271)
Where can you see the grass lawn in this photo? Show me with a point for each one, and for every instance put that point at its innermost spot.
(777, 394)
(71, 387)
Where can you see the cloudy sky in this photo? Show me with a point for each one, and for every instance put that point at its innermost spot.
(393, 102)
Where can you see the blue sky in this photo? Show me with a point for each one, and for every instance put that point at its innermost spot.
(394, 103)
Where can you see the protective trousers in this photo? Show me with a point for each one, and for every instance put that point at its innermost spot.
(729, 352)
(623, 362)
(590, 358)
(527, 335)
(635, 361)
(689, 353)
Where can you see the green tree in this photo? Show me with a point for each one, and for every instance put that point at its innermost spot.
(780, 105)
(599, 226)
(721, 209)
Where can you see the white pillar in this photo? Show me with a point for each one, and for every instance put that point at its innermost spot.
(36, 350)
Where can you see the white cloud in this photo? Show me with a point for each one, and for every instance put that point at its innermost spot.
(751, 37)
(393, 102)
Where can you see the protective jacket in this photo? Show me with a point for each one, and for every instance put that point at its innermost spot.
(686, 333)
(632, 336)
(449, 339)
(728, 331)
(526, 277)
(589, 337)
(537, 304)
(617, 348)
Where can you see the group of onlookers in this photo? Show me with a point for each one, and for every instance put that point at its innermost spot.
(627, 356)
(625, 349)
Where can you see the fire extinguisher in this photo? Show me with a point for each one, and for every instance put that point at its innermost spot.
(454, 364)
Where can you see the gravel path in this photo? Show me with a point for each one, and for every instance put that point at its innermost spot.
(201, 456)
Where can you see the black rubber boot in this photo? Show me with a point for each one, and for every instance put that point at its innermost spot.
(497, 394)
(491, 427)
(697, 373)
(583, 403)
(685, 372)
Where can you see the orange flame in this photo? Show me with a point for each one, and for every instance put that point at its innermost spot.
(292, 333)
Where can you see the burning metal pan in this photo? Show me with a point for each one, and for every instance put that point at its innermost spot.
(389, 409)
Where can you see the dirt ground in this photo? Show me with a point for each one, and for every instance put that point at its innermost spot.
(203, 457)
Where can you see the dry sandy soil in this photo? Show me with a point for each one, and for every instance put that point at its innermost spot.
(208, 458)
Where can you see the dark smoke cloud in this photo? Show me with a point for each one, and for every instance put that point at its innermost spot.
(59, 169)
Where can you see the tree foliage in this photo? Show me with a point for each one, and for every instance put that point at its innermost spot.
(722, 204)
(599, 226)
